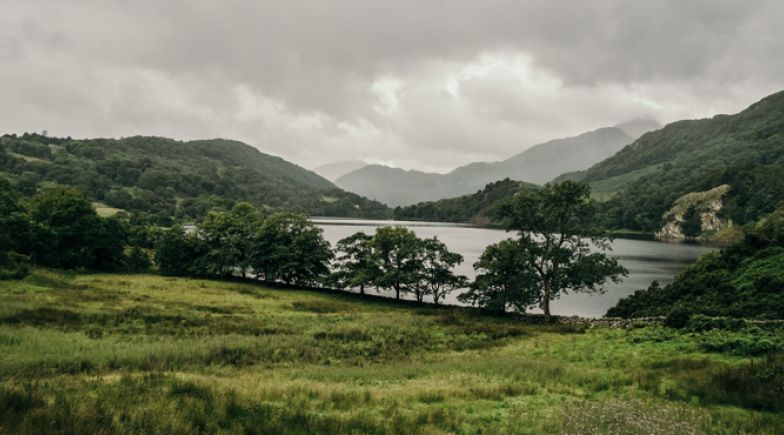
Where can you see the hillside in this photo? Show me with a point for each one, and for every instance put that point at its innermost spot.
(164, 178)
(744, 151)
(742, 281)
(333, 171)
(476, 208)
(538, 164)
(103, 353)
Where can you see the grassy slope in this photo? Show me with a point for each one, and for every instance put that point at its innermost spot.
(152, 354)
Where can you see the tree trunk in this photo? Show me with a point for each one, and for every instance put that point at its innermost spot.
(397, 292)
(362, 289)
(546, 301)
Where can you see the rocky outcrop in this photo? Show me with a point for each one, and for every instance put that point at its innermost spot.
(708, 204)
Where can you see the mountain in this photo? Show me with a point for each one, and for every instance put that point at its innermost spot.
(638, 127)
(538, 164)
(643, 182)
(333, 171)
(395, 186)
(166, 179)
(476, 208)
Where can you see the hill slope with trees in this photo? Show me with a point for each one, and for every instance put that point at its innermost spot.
(477, 208)
(170, 180)
(744, 151)
(745, 281)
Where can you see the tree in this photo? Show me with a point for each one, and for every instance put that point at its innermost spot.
(692, 222)
(137, 260)
(560, 249)
(503, 280)
(70, 234)
(14, 234)
(228, 239)
(176, 252)
(396, 250)
(436, 273)
(290, 248)
(355, 266)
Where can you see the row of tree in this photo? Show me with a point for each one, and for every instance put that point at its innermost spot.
(557, 249)
(289, 248)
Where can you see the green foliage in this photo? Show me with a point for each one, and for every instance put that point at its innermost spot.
(290, 248)
(503, 281)
(395, 258)
(177, 252)
(167, 180)
(228, 238)
(15, 231)
(396, 253)
(744, 280)
(69, 234)
(692, 223)
(436, 274)
(137, 260)
(745, 150)
(554, 255)
(355, 265)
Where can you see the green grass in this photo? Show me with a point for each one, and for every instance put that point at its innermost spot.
(150, 354)
(104, 210)
(604, 190)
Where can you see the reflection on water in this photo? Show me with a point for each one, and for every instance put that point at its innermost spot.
(647, 261)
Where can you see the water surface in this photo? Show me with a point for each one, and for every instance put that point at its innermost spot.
(647, 261)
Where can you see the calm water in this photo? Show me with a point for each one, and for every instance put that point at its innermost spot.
(647, 261)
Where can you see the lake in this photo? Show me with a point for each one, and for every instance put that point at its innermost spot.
(647, 261)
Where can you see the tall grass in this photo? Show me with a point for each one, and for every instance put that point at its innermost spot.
(147, 354)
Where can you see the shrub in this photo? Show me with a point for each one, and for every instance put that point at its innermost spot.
(678, 317)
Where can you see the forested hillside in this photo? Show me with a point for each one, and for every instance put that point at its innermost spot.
(167, 180)
(476, 208)
(745, 280)
(744, 151)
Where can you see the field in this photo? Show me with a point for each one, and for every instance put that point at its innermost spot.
(143, 353)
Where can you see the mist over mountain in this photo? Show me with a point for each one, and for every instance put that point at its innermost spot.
(538, 164)
(335, 170)
(638, 127)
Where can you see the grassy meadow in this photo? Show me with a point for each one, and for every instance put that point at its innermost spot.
(113, 353)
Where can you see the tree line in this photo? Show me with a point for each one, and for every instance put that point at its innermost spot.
(557, 249)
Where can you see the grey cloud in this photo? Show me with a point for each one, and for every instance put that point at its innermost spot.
(191, 68)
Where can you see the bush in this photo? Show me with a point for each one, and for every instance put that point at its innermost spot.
(678, 317)
(137, 260)
(700, 323)
(14, 266)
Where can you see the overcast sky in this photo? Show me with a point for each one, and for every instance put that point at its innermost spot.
(418, 84)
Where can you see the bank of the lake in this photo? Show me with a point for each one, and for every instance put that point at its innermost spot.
(646, 260)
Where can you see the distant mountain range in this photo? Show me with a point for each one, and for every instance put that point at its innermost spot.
(169, 180)
(538, 164)
(333, 171)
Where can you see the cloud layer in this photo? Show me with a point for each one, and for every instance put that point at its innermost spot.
(426, 85)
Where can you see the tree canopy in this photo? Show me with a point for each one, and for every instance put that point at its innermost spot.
(559, 250)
